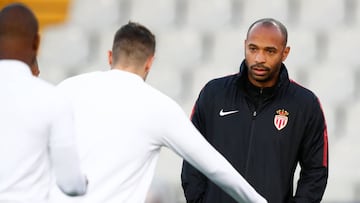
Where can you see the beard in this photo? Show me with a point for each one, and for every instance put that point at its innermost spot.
(260, 67)
(263, 74)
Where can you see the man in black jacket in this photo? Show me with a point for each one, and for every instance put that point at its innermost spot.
(264, 124)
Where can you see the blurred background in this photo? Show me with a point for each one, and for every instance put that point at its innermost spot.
(198, 40)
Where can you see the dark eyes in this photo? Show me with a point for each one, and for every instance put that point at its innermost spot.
(252, 48)
(269, 51)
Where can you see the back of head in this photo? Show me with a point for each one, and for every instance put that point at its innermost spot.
(133, 45)
(19, 38)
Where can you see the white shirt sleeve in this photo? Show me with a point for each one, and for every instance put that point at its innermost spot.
(183, 138)
(63, 152)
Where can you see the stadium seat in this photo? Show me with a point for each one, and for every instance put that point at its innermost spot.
(355, 6)
(352, 121)
(181, 48)
(228, 48)
(51, 72)
(206, 72)
(155, 14)
(333, 83)
(321, 14)
(256, 9)
(344, 170)
(303, 48)
(208, 15)
(104, 44)
(66, 46)
(341, 46)
(167, 79)
(94, 15)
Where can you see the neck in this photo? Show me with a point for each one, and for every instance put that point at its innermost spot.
(16, 53)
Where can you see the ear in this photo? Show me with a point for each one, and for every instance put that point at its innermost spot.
(149, 63)
(285, 53)
(245, 41)
(110, 58)
(36, 42)
(35, 68)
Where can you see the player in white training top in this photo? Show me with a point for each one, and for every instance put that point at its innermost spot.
(122, 123)
(37, 131)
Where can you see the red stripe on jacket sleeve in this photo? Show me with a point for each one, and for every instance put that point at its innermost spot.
(325, 137)
(325, 153)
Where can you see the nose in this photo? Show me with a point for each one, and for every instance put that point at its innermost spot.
(260, 57)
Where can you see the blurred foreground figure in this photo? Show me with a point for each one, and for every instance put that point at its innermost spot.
(36, 123)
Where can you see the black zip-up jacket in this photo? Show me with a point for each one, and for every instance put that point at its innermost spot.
(264, 134)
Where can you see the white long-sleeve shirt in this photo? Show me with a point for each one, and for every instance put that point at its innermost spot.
(36, 134)
(122, 123)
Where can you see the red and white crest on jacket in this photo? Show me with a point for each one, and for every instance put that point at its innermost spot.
(281, 119)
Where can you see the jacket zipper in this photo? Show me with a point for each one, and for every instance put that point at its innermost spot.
(254, 114)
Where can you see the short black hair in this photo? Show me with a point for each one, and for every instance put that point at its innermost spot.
(17, 20)
(133, 44)
(271, 22)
